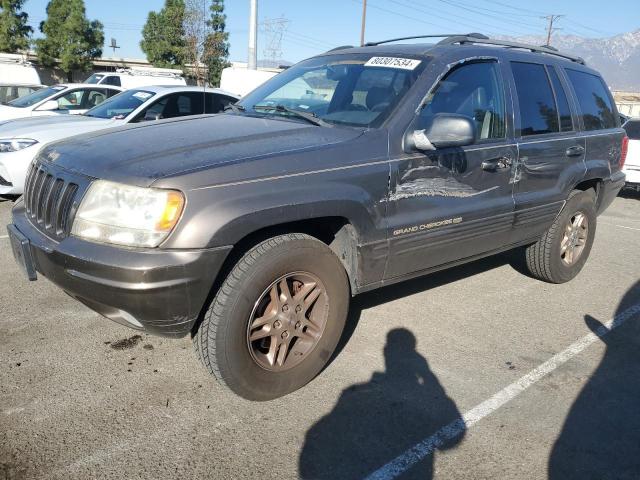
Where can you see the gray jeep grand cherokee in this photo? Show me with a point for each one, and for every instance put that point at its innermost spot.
(355, 169)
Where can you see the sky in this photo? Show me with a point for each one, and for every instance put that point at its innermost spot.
(315, 26)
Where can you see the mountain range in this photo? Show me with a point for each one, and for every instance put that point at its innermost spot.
(616, 58)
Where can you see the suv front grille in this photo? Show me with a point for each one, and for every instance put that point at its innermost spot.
(48, 200)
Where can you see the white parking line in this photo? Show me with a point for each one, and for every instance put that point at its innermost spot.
(406, 460)
(621, 226)
(4, 236)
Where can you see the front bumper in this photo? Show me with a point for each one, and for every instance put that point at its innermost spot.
(610, 189)
(13, 169)
(158, 291)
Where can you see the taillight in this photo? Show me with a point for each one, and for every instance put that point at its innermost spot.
(624, 150)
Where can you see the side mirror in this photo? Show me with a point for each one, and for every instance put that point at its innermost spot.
(444, 130)
(49, 106)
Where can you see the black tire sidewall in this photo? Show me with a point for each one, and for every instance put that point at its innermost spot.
(579, 202)
(236, 365)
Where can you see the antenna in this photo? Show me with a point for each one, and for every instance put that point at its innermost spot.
(274, 29)
(114, 45)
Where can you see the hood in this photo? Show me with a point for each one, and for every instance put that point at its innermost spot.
(143, 153)
(7, 112)
(50, 128)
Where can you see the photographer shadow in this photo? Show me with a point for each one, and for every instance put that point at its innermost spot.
(374, 422)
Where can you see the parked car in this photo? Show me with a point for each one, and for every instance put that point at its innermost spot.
(138, 77)
(64, 98)
(17, 77)
(251, 230)
(632, 165)
(22, 139)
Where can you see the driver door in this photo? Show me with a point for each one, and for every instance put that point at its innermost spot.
(454, 203)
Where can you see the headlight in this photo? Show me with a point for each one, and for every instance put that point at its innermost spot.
(125, 215)
(13, 145)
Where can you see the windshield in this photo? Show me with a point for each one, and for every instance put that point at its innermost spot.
(36, 97)
(357, 90)
(95, 78)
(121, 105)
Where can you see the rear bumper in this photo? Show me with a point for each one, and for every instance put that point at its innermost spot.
(610, 189)
(158, 291)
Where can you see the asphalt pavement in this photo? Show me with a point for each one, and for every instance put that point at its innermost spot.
(472, 373)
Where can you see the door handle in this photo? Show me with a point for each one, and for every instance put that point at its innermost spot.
(575, 151)
(496, 164)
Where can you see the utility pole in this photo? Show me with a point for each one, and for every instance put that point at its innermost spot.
(552, 19)
(252, 63)
(364, 21)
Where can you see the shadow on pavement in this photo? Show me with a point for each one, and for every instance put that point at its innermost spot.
(374, 422)
(600, 438)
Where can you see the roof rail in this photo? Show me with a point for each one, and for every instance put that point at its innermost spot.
(341, 47)
(477, 36)
(151, 72)
(462, 39)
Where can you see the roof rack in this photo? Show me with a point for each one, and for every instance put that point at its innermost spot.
(462, 39)
(151, 72)
(447, 35)
(341, 47)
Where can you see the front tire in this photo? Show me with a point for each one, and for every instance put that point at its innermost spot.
(277, 318)
(563, 250)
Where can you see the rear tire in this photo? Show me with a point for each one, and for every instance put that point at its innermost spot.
(291, 293)
(563, 250)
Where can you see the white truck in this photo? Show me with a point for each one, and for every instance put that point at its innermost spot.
(17, 77)
(138, 77)
(240, 80)
(632, 165)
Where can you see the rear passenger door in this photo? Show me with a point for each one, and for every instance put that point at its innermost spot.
(551, 152)
(454, 203)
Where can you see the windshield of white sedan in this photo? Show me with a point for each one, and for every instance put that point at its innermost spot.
(35, 97)
(121, 105)
(355, 90)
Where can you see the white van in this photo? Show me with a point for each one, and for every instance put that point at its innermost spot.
(241, 81)
(17, 77)
(138, 77)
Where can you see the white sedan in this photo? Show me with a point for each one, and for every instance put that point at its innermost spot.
(22, 139)
(73, 98)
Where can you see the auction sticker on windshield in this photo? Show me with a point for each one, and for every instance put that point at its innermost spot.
(393, 62)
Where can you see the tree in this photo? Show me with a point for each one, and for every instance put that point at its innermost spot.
(69, 37)
(14, 31)
(216, 51)
(163, 36)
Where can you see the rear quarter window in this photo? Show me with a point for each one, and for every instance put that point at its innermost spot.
(538, 110)
(596, 106)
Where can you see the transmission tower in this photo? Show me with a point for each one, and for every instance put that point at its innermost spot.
(274, 30)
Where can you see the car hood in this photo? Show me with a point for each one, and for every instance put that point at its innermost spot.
(8, 112)
(51, 128)
(143, 153)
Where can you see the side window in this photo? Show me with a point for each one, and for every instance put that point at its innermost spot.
(154, 111)
(112, 80)
(94, 98)
(595, 102)
(566, 124)
(538, 111)
(632, 127)
(71, 100)
(474, 90)
(216, 103)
